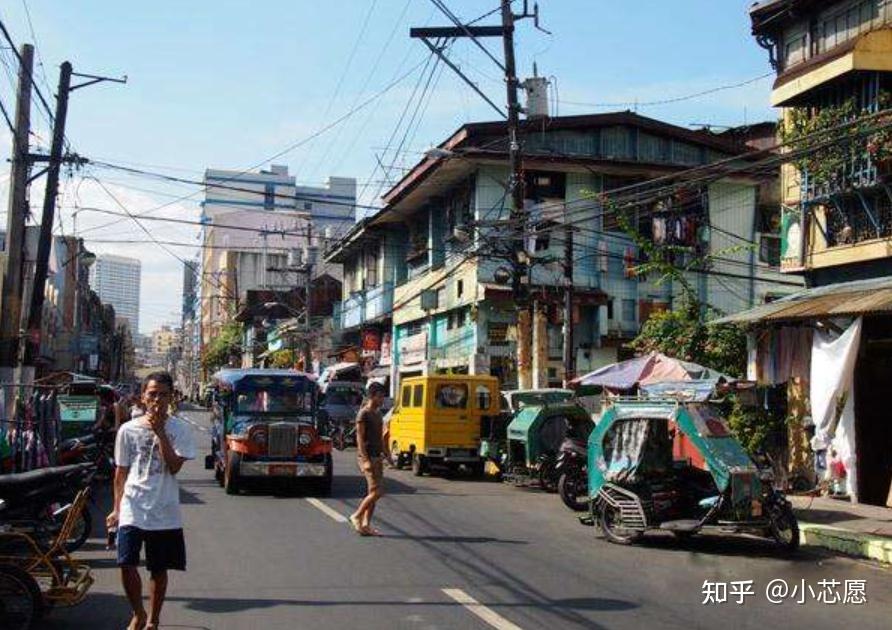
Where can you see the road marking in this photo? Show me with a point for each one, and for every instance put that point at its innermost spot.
(329, 512)
(486, 614)
(194, 423)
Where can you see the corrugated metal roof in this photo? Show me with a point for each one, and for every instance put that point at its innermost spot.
(844, 299)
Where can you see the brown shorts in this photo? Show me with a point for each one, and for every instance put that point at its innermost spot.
(374, 477)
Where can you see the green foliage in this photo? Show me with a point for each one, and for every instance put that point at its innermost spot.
(282, 359)
(843, 135)
(223, 347)
(754, 427)
(682, 333)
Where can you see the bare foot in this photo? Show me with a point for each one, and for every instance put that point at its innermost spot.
(138, 622)
(357, 525)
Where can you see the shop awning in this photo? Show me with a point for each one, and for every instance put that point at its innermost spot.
(845, 299)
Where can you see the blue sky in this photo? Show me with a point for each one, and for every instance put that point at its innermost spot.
(229, 83)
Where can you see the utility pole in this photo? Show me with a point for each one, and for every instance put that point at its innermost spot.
(518, 214)
(44, 245)
(55, 160)
(569, 359)
(307, 348)
(11, 313)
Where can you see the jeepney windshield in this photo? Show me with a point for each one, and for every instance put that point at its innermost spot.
(347, 396)
(276, 400)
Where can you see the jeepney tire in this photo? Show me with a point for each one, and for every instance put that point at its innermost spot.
(231, 476)
(419, 464)
(18, 578)
(605, 514)
(218, 475)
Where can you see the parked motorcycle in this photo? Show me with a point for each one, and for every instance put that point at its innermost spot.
(95, 448)
(36, 503)
(572, 471)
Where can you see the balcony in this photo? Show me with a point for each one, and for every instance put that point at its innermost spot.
(861, 174)
(361, 307)
(458, 343)
(378, 302)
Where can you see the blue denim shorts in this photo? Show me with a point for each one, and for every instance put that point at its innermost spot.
(165, 548)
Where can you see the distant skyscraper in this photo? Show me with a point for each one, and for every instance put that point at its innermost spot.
(116, 280)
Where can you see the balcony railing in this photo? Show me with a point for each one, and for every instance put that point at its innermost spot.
(456, 343)
(862, 173)
(378, 302)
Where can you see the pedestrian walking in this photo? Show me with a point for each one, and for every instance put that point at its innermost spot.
(149, 451)
(370, 451)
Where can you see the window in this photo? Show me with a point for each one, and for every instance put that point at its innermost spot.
(769, 249)
(452, 396)
(483, 397)
(308, 205)
(418, 396)
(269, 196)
(459, 288)
(629, 311)
(610, 308)
(407, 396)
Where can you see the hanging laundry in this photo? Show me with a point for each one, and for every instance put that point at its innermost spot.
(629, 263)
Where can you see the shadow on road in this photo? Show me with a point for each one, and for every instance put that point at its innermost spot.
(730, 545)
(231, 605)
(457, 539)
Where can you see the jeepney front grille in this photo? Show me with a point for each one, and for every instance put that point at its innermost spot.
(282, 440)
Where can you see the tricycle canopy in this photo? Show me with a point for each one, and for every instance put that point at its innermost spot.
(541, 429)
(634, 439)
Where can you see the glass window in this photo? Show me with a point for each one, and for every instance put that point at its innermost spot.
(484, 397)
(452, 396)
(418, 396)
(407, 396)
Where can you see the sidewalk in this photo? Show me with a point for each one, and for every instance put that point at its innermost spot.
(857, 530)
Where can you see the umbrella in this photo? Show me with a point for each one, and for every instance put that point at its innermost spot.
(648, 369)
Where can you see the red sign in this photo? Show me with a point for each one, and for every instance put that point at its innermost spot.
(371, 340)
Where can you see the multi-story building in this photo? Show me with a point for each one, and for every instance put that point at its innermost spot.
(262, 233)
(116, 279)
(833, 60)
(425, 278)
(165, 340)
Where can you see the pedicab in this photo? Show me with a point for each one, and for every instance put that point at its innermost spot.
(34, 578)
(668, 461)
(534, 438)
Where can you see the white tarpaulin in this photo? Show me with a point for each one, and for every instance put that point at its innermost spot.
(833, 360)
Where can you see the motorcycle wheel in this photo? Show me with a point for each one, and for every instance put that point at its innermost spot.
(547, 479)
(396, 457)
(21, 602)
(338, 441)
(571, 486)
(81, 531)
(784, 528)
(607, 519)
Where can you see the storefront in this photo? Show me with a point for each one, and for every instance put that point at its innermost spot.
(832, 347)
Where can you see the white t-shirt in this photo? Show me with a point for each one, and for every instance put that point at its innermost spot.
(151, 498)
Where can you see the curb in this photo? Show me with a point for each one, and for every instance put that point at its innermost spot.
(845, 541)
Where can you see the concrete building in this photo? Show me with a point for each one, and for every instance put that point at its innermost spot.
(261, 233)
(834, 62)
(116, 280)
(417, 295)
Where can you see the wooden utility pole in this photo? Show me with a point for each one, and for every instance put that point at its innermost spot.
(44, 246)
(11, 313)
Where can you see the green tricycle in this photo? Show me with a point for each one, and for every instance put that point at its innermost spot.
(534, 439)
(673, 465)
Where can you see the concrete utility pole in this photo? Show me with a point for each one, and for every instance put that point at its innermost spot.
(519, 215)
(35, 315)
(11, 313)
(569, 359)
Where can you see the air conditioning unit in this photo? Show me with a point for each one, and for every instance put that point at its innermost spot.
(429, 300)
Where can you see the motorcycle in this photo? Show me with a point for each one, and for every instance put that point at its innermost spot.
(37, 502)
(96, 448)
(572, 471)
(343, 436)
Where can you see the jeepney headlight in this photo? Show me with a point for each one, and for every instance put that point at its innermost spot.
(259, 438)
(305, 439)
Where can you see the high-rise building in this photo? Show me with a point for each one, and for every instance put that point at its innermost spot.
(116, 280)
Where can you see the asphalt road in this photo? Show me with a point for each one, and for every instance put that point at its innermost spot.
(458, 554)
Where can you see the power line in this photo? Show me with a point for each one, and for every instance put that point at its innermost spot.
(677, 99)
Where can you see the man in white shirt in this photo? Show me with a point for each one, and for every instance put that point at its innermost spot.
(149, 451)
